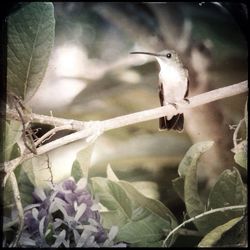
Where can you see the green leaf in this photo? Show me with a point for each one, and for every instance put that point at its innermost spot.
(15, 152)
(240, 156)
(83, 158)
(149, 217)
(8, 197)
(193, 155)
(213, 236)
(139, 200)
(13, 132)
(229, 190)
(236, 236)
(111, 175)
(154, 206)
(50, 239)
(240, 149)
(38, 170)
(145, 229)
(113, 197)
(25, 187)
(114, 217)
(178, 184)
(141, 220)
(30, 39)
(76, 171)
(188, 169)
(148, 244)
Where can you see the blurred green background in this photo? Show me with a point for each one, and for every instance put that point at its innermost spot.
(92, 76)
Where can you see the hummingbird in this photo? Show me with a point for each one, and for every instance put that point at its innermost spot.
(173, 86)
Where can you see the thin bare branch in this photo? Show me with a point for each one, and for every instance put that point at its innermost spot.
(195, 101)
(44, 119)
(90, 128)
(50, 133)
(146, 115)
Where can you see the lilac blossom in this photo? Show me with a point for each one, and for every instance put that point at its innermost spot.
(66, 216)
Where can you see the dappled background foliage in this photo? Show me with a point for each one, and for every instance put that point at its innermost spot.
(92, 76)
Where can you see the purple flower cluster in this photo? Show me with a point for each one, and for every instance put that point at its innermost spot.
(66, 217)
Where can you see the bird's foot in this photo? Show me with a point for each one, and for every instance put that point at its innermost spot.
(173, 104)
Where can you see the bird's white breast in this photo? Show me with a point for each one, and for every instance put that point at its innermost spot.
(174, 82)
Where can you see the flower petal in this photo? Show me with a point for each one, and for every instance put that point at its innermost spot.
(84, 236)
(76, 235)
(41, 227)
(70, 197)
(31, 206)
(58, 222)
(66, 243)
(91, 242)
(91, 228)
(69, 185)
(59, 238)
(113, 232)
(81, 209)
(47, 232)
(81, 184)
(53, 195)
(34, 212)
(26, 241)
(93, 222)
(39, 193)
(95, 207)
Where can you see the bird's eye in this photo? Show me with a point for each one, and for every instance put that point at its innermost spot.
(168, 55)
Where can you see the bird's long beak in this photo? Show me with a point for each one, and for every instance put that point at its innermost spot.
(146, 53)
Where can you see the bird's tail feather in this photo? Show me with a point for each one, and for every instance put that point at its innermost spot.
(176, 122)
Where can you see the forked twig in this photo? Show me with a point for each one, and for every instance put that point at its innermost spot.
(26, 131)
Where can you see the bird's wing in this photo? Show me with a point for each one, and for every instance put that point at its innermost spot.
(186, 94)
(161, 93)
